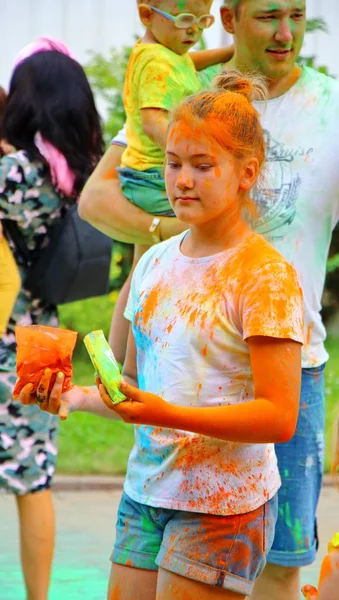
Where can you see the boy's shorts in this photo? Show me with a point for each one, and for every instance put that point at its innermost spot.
(301, 462)
(146, 189)
(224, 551)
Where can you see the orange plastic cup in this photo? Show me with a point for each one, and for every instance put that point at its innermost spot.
(40, 347)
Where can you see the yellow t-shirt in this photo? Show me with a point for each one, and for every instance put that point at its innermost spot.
(156, 78)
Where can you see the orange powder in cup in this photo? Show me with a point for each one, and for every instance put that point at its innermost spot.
(40, 347)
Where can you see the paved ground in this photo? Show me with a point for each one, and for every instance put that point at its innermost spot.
(85, 524)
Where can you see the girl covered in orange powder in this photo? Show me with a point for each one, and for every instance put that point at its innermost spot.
(212, 373)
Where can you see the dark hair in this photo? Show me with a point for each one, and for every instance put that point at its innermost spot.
(49, 92)
(3, 97)
(234, 4)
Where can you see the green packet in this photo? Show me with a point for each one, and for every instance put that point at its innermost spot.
(105, 364)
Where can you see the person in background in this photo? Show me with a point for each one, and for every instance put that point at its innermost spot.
(52, 122)
(9, 274)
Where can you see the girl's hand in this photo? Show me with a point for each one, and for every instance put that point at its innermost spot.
(141, 407)
(54, 402)
(309, 592)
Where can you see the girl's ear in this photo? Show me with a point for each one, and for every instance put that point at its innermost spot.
(249, 174)
(145, 14)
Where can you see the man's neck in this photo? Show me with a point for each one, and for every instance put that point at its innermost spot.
(276, 87)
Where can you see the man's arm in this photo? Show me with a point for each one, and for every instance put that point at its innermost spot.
(104, 206)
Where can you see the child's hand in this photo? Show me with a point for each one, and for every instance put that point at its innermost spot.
(309, 592)
(54, 402)
(140, 408)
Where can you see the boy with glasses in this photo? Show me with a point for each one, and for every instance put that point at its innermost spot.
(161, 72)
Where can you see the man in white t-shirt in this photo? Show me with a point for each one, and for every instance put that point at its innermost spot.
(299, 209)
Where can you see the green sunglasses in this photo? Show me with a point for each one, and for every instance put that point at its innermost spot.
(186, 20)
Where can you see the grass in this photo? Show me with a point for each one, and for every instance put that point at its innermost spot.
(332, 397)
(90, 444)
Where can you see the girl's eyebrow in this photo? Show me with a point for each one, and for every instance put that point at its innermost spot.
(192, 156)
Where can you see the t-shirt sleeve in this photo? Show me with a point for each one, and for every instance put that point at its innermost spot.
(120, 139)
(207, 75)
(12, 176)
(159, 86)
(128, 312)
(271, 303)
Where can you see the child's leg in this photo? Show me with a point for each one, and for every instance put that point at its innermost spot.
(10, 283)
(119, 326)
(128, 583)
(172, 586)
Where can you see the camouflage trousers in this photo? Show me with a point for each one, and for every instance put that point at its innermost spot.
(28, 438)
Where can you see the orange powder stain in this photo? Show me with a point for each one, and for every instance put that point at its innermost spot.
(327, 568)
(84, 390)
(217, 171)
(149, 305)
(110, 174)
(309, 333)
(204, 350)
(116, 593)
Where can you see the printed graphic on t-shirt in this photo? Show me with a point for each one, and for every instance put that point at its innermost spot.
(278, 201)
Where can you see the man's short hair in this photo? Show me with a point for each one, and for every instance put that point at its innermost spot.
(234, 4)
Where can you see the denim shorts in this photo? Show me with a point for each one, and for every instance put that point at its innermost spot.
(146, 189)
(301, 462)
(227, 552)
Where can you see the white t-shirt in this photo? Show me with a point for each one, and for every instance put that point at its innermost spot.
(300, 197)
(190, 320)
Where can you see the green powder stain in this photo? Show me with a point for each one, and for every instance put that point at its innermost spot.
(288, 516)
(296, 527)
